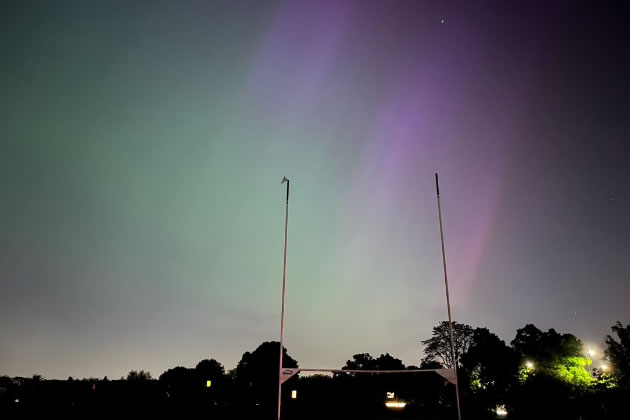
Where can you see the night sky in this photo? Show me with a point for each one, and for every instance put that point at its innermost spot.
(143, 145)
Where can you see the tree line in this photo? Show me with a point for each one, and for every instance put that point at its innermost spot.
(539, 374)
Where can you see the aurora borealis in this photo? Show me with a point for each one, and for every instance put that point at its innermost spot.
(143, 144)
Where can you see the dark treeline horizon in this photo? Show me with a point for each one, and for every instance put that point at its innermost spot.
(539, 373)
(151, 375)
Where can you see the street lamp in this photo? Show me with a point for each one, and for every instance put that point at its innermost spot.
(589, 355)
(529, 364)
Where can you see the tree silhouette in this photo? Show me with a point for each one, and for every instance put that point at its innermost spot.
(140, 375)
(547, 348)
(490, 362)
(557, 380)
(618, 353)
(363, 393)
(361, 361)
(553, 354)
(210, 375)
(387, 362)
(256, 375)
(491, 373)
(210, 370)
(176, 375)
(438, 347)
(488, 373)
(181, 386)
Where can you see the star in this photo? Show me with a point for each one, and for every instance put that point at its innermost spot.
(442, 20)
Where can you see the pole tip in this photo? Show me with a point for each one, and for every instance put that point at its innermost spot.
(284, 179)
(437, 184)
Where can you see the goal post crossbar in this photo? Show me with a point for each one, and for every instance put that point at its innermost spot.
(448, 374)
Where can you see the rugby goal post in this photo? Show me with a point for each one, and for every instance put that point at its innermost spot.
(450, 374)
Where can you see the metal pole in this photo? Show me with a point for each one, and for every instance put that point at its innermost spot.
(284, 276)
(448, 300)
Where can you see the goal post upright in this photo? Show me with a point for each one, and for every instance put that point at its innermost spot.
(448, 299)
(284, 277)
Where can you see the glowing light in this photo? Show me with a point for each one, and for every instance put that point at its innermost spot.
(208, 384)
(294, 394)
(390, 395)
(529, 364)
(604, 367)
(590, 353)
(395, 404)
(501, 411)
